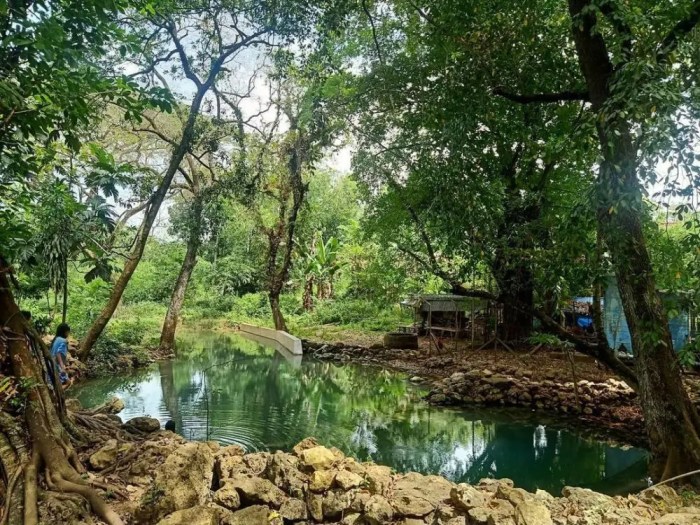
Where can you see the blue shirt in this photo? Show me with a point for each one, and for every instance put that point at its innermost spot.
(59, 346)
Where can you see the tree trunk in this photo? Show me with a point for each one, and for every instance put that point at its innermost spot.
(65, 297)
(167, 336)
(308, 297)
(142, 236)
(671, 420)
(50, 449)
(277, 316)
(516, 285)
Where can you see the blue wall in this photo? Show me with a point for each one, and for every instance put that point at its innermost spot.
(616, 330)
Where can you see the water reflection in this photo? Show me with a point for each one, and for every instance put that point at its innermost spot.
(235, 390)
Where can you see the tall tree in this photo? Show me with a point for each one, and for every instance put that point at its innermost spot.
(223, 34)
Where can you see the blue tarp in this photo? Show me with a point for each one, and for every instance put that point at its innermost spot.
(617, 332)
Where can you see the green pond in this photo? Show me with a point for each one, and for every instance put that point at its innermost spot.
(234, 390)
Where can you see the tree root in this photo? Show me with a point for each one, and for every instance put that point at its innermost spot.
(10, 489)
(98, 505)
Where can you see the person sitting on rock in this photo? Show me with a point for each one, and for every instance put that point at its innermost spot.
(170, 425)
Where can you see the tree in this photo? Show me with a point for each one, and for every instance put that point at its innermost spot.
(218, 45)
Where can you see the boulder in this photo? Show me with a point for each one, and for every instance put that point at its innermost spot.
(228, 497)
(336, 504)
(304, 444)
(466, 497)
(378, 511)
(107, 455)
(143, 424)
(316, 458)
(229, 462)
(378, 479)
(257, 462)
(530, 512)
(181, 482)
(199, 515)
(679, 518)
(254, 490)
(322, 480)
(661, 495)
(293, 509)
(255, 515)
(348, 480)
(416, 495)
(314, 502)
(283, 471)
(354, 518)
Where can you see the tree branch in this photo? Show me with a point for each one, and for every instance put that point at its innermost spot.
(540, 98)
(679, 31)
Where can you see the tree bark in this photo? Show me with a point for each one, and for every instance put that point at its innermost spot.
(44, 414)
(167, 336)
(277, 316)
(671, 420)
(308, 297)
(142, 236)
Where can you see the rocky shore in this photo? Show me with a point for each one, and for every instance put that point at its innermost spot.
(170, 481)
(597, 400)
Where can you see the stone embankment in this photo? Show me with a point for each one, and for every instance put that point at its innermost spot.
(606, 403)
(175, 482)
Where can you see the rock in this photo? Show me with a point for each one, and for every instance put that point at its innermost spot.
(498, 381)
(255, 515)
(378, 478)
(199, 515)
(458, 520)
(335, 504)
(416, 379)
(492, 485)
(322, 480)
(181, 482)
(73, 404)
(143, 424)
(304, 444)
(513, 495)
(317, 458)
(254, 490)
(314, 502)
(417, 496)
(257, 462)
(662, 495)
(348, 480)
(352, 519)
(679, 518)
(283, 472)
(478, 516)
(228, 497)
(229, 462)
(293, 509)
(107, 455)
(530, 512)
(586, 498)
(378, 511)
(438, 398)
(466, 497)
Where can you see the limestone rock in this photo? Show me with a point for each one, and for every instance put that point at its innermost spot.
(530, 512)
(322, 480)
(661, 495)
(283, 472)
(304, 444)
(229, 462)
(314, 503)
(378, 511)
(143, 424)
(466, 497)
(317, 458)
(181, 482)
(107, 455)
(293, 510)
(199, 515)
(228, 497)
(254, 490)
(257, 462)
(348, 480)
(416, 495)
(513, 495)
(378, 479)
(679, 518)
(351, 519)
(255, 515)
(336, 504)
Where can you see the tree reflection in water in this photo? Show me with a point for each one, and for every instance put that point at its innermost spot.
(255, 397)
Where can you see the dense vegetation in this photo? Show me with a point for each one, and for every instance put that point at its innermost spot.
(172, 160)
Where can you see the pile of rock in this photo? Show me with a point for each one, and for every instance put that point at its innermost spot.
(204, 484)
(488, 388)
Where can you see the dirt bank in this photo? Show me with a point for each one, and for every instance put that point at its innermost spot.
(157, 477)
(590, 396)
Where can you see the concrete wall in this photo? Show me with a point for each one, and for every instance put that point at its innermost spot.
(291, 343)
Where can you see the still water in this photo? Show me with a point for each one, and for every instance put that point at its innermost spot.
(234, 390)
